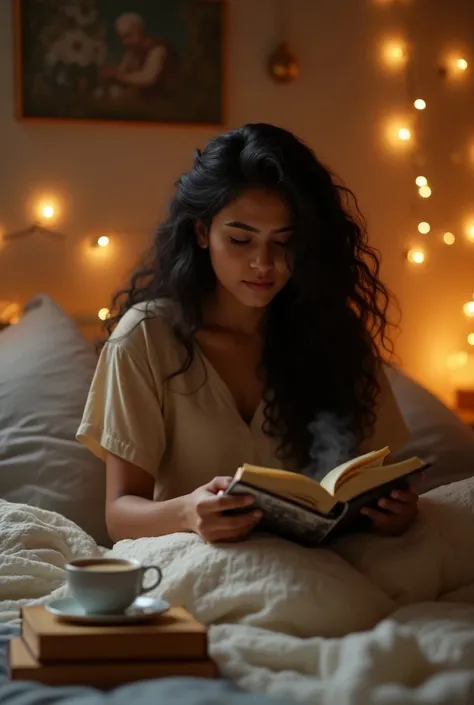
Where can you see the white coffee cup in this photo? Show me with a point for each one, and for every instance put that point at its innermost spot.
(108, 585)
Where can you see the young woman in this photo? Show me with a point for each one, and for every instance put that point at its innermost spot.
(258, 309)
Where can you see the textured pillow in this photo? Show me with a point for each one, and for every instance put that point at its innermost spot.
(45, 371)
(432, 559)
(437, 434)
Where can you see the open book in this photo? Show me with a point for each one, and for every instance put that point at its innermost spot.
(310, 512)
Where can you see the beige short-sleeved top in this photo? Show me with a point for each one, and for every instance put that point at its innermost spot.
(185, 431)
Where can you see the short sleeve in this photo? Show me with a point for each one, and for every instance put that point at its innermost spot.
(123, 412)
(390, 428)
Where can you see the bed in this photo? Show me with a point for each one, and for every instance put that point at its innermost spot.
(369, 621)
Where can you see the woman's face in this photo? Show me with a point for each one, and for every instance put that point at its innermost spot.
(248, 246)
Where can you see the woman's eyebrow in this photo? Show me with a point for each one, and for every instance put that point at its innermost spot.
(248, 228)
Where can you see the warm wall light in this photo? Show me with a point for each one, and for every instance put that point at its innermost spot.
(404, 134)
(103, 314)
(10, 313)
(468, 309)
(46, 212)
(394, 53)
(425, 191)
(103, 241)
(454, 66)
(398, 133)
(470, 232)
(449, 239)
(420, 104)
(421, 181)
(424, 228)
(416, 256)
(470, 338)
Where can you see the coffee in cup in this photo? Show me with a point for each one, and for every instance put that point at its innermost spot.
(108, 585)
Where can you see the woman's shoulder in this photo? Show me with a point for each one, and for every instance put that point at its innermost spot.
(145, 325)
(145, 334)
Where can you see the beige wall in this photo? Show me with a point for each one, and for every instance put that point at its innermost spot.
(117, 179)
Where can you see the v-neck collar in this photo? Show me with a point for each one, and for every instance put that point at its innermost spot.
(226, 391)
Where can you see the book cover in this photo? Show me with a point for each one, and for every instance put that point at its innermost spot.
(173, 635)
(289, 519)
(99, 674)
(296, 522)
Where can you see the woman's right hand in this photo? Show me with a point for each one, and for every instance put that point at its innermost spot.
(205, 512)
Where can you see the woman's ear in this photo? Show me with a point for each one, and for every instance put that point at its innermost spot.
(201, 234)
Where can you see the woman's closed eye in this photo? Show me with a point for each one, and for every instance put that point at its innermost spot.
(236, 241)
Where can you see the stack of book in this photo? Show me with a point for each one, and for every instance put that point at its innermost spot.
(56, 652)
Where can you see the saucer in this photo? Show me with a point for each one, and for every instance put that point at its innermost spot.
(142, 610)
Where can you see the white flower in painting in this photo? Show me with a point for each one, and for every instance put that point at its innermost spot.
(82, 16)
(75, 47)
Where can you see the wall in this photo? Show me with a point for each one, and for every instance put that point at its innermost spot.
(117, 179)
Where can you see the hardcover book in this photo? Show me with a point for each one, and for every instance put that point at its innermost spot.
(301, 509)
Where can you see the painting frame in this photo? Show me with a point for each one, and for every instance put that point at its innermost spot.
(217, 120)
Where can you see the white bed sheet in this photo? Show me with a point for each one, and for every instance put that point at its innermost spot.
(373, 622)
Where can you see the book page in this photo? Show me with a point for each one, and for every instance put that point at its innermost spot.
(337, 477)
(375, 476)
(287, 484)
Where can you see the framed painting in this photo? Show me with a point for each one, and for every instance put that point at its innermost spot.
(140, 61)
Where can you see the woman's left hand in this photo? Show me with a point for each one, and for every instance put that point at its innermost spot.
(400, 511)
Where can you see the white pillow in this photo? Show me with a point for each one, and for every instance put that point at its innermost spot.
(437, 434)
(45, 371)
(432, 559)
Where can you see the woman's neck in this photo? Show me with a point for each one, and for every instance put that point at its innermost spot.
(224, 311)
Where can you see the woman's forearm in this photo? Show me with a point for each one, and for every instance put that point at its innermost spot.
(131, 517)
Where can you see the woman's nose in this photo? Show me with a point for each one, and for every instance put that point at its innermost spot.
(263, 260)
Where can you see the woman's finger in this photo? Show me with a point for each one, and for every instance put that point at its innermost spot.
(396, 507)
(405, 496)
(219, 484)
(381, 519)
(216, 504)
(233, 534)
(237, 523)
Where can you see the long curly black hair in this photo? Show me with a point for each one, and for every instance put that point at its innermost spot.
(326, 332)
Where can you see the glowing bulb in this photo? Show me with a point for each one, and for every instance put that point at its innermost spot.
(461, 64)
(394, 53)
(103, 241)
(420, 104)
(46, 211)
(468, 309)
(103, 314)
(449, 239)
(470, 232)
(404, 134)
(424, 191)
(424, 228)
(470, 338)
(416, 256)
(421, 181)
